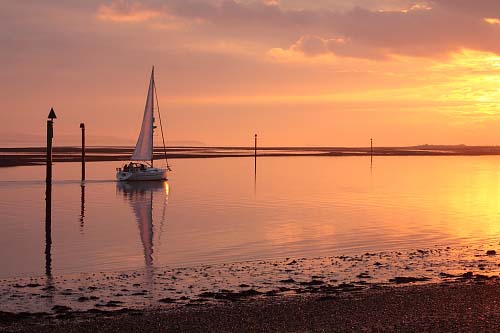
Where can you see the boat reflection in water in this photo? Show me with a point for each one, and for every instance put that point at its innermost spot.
(140, 195)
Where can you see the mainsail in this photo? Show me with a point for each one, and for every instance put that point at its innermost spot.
(144, 147)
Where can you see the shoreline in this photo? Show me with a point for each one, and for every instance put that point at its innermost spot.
(443, 307)
(268, 289)
(23, 156)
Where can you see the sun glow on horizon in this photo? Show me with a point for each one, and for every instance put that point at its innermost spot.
(468, 80)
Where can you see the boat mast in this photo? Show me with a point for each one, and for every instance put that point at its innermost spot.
(152, 115)
(161, 127)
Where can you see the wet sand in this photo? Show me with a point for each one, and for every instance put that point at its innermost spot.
(10, 157)
(438, 289)
(462, 306)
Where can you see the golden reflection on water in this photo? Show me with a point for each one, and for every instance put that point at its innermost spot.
(474, 194)
(167, 190)
(444, 200)
(301, 205)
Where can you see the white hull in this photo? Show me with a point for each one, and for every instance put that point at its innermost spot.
(146, 174)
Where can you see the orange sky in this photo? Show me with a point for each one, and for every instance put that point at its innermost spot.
(297, 72)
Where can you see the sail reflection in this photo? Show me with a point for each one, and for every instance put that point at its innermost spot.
(140, 196)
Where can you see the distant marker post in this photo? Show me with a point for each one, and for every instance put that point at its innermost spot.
(82, 126)
(255, 146)
(255, 152)
(255, 163)
(50, 135)
(371, 152)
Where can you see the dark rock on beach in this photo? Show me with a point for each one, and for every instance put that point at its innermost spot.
(405, 279)
(167, 300)
(463, 306)
(60, 308)
(312, 283)
(446, 275)
(230, 296)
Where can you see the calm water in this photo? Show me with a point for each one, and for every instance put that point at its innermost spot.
(214, 210)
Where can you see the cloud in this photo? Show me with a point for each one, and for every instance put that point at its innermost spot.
(491, 20)
(433, 28)
(311, 46)
(122, 11)
(315, 49)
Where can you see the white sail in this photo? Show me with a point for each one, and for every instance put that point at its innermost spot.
(144, 147)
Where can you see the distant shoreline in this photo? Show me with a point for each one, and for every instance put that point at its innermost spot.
(24, 156)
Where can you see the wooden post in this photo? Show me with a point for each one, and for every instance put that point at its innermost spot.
(371, 152)
(50, 135)
(82, 126)
(255, 153)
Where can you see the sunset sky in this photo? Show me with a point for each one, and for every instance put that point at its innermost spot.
(297, 72)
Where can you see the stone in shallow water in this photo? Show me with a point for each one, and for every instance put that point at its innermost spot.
(33, 285)
(167, 300)
(363, 276)
(312, 283)
(60, 308)
(446, 275)
(491, 252)
(406, 279)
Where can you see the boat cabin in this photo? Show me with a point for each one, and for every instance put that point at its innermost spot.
(133, 167)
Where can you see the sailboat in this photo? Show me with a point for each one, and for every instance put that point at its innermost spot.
(141, 163)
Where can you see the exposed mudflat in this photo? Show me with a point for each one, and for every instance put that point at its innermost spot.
(276, 284)
(447, 307)
(36, 155)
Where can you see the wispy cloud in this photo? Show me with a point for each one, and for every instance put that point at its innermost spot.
(126, 12)
(432, 28)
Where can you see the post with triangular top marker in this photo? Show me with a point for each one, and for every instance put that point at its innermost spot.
(50, 135)
(48, 194)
